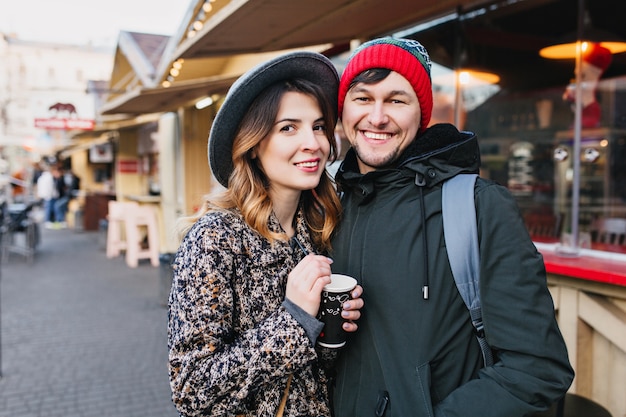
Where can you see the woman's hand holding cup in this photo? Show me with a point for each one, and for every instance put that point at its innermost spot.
(306, 282)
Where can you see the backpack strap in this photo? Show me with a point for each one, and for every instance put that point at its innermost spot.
(461, 237)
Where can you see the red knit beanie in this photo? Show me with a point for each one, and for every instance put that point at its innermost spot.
(407, 57)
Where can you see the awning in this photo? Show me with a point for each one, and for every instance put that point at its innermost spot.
(245, 26)
(85, 144)
(161, 99)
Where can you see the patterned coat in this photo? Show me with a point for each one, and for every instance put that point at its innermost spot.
(232, 343)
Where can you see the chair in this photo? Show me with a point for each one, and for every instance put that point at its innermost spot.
(19, 229)
(546, 225)
(574, 406)
(611, 231)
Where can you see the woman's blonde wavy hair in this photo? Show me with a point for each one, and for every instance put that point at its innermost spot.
(248, 186)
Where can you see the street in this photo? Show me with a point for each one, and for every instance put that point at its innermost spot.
(82, 335)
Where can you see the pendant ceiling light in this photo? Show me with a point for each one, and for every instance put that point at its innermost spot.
(566, 48)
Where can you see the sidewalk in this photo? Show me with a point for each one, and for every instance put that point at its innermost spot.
(82, 335)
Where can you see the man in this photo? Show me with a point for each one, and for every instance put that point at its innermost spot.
(47, 191)
(67, 185)
(415, 353)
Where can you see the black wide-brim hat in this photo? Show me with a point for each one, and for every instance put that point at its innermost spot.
(311, 66)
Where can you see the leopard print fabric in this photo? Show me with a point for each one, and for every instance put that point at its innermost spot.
(232, 345)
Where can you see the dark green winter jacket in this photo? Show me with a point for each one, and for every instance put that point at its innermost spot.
(419, 357)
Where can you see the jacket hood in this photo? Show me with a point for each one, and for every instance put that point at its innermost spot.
(439, 153)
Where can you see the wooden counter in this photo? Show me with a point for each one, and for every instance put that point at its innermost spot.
(147, 199)
(589, 293)
(96, 209)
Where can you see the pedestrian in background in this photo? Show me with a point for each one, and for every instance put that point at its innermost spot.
(415, 353)
(67, 185)
(48, 192)
(249, 273)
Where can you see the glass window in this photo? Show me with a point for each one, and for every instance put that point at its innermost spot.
(525, 120)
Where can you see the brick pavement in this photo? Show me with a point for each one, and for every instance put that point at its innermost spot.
(82, 335)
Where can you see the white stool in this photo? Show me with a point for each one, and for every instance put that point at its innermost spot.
(116, 242)
(140, 219)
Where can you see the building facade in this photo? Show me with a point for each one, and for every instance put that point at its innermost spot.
(44, 96)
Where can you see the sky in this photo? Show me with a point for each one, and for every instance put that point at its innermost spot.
(96, 22)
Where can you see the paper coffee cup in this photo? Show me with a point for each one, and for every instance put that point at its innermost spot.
(333, 296)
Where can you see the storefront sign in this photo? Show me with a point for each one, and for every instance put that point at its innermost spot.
(65, 124)
(63, 116)
(128, 166)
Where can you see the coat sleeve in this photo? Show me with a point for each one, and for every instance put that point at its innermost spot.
(532, 368)
(214, 369)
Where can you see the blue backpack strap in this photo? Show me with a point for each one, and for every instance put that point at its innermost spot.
(461, 237)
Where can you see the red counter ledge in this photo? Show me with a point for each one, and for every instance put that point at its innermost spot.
(591, 264)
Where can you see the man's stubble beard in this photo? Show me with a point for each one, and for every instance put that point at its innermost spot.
(376, 161)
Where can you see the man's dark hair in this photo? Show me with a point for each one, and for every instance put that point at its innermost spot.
(370, 76)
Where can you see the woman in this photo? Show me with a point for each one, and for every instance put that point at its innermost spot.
(249, 273)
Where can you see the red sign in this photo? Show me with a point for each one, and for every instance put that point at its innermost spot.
(128, 166)
(65, 124)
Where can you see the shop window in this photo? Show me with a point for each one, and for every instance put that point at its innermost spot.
(527, 144)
